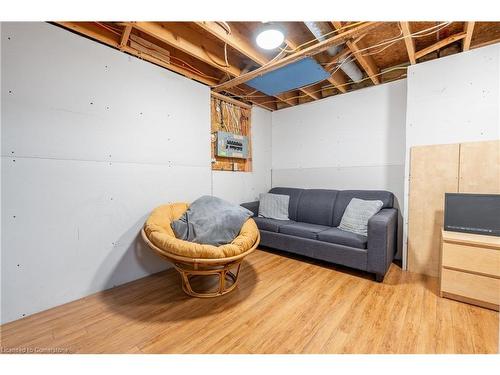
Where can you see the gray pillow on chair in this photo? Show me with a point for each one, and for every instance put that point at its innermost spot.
(274, 206)
(357, 214)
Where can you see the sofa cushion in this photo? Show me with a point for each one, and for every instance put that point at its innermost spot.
(345, 196)
(274, 206)
(357, 214)
(304, 230)
(271, 225)
(340, 237)
(294, 195)
(316, 206)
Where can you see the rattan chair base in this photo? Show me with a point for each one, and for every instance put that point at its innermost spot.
(188, 268)
(223, 273)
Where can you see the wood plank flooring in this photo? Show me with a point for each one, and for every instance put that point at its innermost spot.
(282, 305)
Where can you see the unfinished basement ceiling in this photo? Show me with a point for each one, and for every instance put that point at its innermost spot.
(224, 55)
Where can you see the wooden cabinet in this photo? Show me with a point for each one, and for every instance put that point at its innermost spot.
(435, 170)
(470, 268)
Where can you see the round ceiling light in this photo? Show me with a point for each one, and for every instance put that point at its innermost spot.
(270, 38)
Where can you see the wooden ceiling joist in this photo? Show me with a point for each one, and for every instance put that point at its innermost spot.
(311, 93)
(469, 30)
(88, 30)
(222, 55)
(147, 47)
(366, 61)
(125, 36)
(336, 78)
(200, 51)
(485, 43)
(409, 42)
(339, 57)
(440, 44)
(338, 81)
(309, 51)
(235, 40)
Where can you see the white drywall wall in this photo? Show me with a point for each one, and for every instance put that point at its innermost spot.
(92, 140)
(350, 141)
(238, 187)
(451, 100)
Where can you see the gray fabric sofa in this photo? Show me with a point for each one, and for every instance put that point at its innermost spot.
(311, 231)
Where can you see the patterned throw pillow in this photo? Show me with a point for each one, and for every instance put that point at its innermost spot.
(274, 206)
(357, 214)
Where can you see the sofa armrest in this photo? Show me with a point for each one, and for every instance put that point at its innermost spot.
(252, 206)
(382, 241)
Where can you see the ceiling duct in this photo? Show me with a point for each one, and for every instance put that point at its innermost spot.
(319, 29)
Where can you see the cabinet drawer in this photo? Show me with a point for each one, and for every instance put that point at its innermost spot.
(471, 258)
(482, 288)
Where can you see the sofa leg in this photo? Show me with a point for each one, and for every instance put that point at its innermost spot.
(379, 277)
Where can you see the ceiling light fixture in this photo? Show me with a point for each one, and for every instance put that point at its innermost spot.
(270, 37)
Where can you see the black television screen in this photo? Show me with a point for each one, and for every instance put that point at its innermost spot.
(472, 213)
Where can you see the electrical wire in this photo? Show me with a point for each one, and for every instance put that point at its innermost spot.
(336, 31)
(387, 42)
(335, 86)
(183, 64)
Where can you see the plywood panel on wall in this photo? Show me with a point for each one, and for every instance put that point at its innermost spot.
(433, 172)
(480, 167)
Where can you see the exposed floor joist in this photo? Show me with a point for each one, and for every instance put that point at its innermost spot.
(224, 55)
(409, 42)
(125, 36)
(200, 51)
(469, 29)
(440, 44)
(234, 40)
(366, 61)
(309, 51)
(336, 78)
(88, 30)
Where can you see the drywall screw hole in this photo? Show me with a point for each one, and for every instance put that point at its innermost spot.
(18, 265)
(14, 216)
(107, 107)
(8, 38)
(24, 314)
(91, 103)
(14, 160)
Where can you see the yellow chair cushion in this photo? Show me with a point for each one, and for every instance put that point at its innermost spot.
(160, 233)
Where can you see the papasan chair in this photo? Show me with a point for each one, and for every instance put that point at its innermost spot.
(192, 259)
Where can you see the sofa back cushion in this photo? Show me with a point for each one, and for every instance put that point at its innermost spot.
(345, 196)
(316, 206)
(274, 206)
(294, 195)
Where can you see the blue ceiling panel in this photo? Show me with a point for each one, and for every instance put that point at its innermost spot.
(293, 76)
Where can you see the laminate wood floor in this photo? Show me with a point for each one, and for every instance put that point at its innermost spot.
(282, 305)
